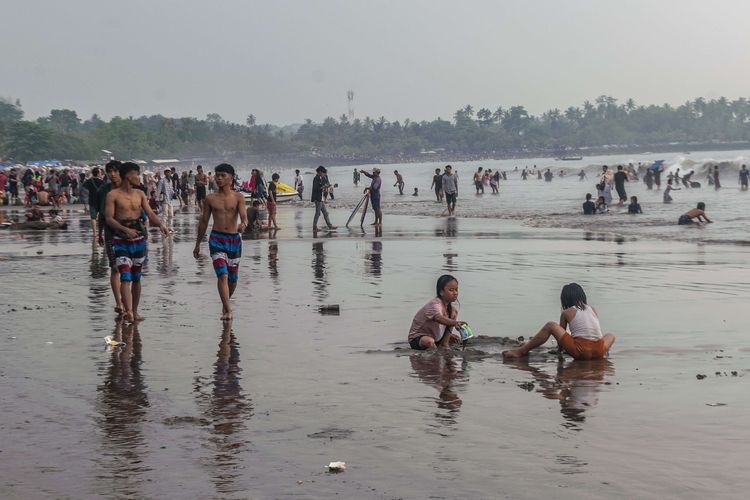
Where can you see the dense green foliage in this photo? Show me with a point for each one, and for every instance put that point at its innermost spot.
(63, 135)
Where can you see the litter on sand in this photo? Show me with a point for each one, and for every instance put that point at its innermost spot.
(112, 342)
(337, 467)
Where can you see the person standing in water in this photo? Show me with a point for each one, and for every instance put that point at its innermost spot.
(399, 182)
(92, 185)
(548, 175)
(717, 183)
(744, 173)
(589, 207)
(374, 191)
(355, 177)
(585, 340)
(670, 187)
(450, 187)
(225, 241)
(124, 207)
(478, 181)
(432, 325)
(581, 175)
(271, 205)
(620, 179)
(437, 184)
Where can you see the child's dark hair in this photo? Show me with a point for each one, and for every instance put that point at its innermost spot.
(442, 282)
(572, 295)
(95, 171)
(275, 177)
(224, 167)
(701, 205)
(112, 165)
(588, 196)
(126, 167)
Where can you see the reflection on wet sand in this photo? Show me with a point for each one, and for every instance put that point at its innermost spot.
(374, 260)
(449, 230)
(438, 369)
(122, 403)
(226, 408)
(320, 279)
(576, 386)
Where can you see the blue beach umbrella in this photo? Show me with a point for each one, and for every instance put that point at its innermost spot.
(656, 165)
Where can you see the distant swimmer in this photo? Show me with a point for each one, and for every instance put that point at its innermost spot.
(437, 185)
(585, 340)
(432, 325)
(744, 173)
(548, 176)
(356, 177)
(589, 207)
(581, 175)
(634, 207)
(698, 213)
(524, 174)
(620, 179)
(648, 179)
(399, 182)
(717, 183)
(416, 192)
(670, 187)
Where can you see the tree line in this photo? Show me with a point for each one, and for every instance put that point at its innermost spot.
(64, 135)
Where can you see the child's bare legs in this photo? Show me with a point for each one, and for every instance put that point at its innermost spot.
(549, 329)
(427, 342)
(608, 339)
(225, 293)
(136, 294)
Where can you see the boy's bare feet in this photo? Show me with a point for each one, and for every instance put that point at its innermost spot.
(138, 317)
(118, 311)
(127, 317)
(513, 354)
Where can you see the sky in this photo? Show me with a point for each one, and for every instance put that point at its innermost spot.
(285, 61)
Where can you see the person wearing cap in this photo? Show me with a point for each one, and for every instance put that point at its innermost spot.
(319, 185)
(374, 191)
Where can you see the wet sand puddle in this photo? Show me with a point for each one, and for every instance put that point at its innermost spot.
(193, 409)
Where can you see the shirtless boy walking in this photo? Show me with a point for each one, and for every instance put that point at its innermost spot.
(225, 241)
(123, 215)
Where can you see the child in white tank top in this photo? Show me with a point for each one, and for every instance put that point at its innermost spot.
(585, 340)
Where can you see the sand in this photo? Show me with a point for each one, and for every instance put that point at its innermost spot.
(192, 409)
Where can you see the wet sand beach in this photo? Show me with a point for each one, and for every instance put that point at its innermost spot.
(191, 408)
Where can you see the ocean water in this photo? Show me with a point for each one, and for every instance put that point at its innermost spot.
(558, 204)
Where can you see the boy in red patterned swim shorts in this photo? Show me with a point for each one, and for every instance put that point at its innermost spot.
(225, 241)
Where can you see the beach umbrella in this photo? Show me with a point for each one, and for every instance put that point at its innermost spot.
(656, 165)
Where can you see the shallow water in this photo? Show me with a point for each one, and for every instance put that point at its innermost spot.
(558, 204)
(192, 409)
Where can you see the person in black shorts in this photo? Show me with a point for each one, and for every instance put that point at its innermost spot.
(620, 179)
(106, 235)
(437, 183)
(201, 181)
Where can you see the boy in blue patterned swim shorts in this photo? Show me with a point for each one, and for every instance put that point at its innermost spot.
(225, 241)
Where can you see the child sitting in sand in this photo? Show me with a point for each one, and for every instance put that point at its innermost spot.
(585, 340)
(432, 324)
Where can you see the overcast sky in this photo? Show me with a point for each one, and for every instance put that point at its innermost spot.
(285, 61)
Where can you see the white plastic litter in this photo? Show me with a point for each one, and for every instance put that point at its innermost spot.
(112, 342)
(337, 467)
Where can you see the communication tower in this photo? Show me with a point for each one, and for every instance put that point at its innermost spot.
(350, 107)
